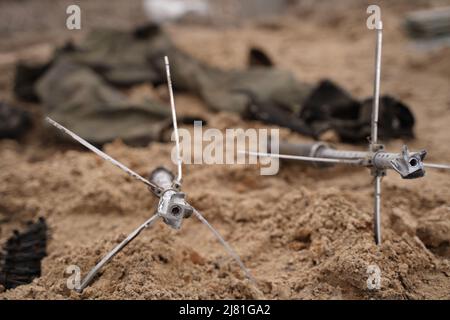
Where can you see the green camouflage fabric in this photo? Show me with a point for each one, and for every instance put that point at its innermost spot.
(81, 86)
(78, 98)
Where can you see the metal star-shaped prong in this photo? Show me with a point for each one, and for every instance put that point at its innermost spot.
(408, 165)
(172, 207)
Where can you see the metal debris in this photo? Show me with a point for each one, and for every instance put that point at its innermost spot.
(172, 207)
(409, 165)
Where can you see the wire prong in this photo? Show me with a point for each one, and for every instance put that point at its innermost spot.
(377, 209)
(302, 158)
(174, 121)
(156, 189)
(90, 276)
(228, 248)
(376, 85)
(436, 165)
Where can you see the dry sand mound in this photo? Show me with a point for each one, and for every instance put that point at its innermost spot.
(299, 243)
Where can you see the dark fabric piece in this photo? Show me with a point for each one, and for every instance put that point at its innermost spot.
(395, 119)
(20, 260)
(25, 80)
(277, 115)
(123, 58)
(327, 101)
(258, 58)
(330, 107)
(13, 121)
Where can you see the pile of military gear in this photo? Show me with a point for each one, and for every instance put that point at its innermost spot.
(81, 88)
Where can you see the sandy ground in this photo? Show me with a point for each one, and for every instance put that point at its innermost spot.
(305, 233)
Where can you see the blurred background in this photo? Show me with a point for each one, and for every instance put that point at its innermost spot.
(313, 40)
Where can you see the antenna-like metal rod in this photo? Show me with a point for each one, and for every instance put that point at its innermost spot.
(302, 158)
(90, 276)
(376, 86)
(374, 131)
(174, 120)
(436, 165)
(103, 155)
(229, 249)
(377, 210)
